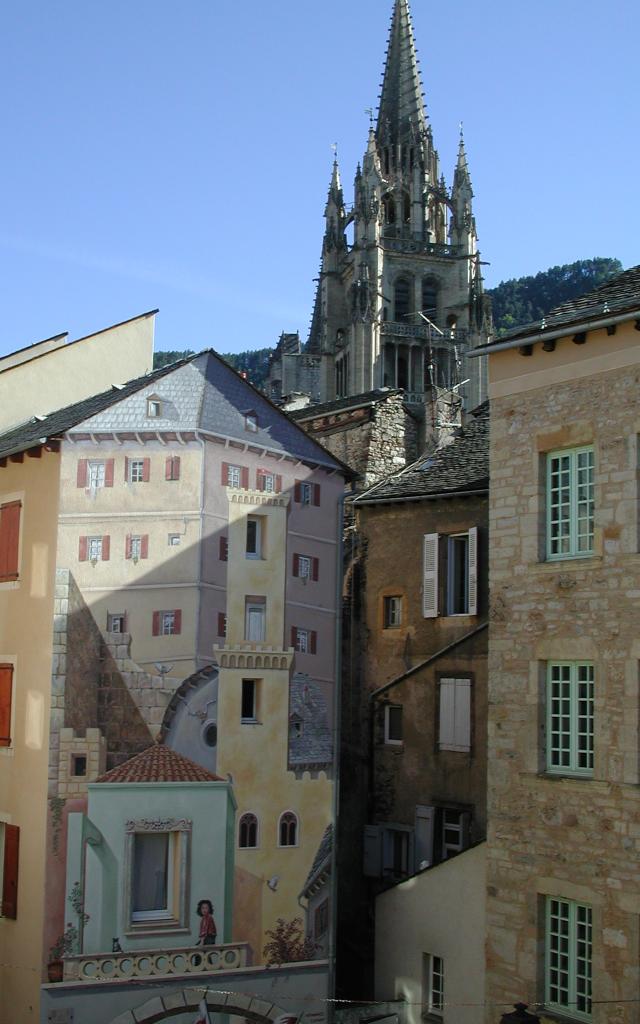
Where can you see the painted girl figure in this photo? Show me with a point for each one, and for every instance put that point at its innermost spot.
(208, 930)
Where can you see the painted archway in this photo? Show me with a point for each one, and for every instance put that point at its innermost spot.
(175, 1004)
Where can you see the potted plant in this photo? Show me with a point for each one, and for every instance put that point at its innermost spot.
(65, 945)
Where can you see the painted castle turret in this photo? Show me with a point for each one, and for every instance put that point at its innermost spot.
(402, 305)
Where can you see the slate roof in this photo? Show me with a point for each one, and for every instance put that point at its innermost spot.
(462, 465)
(616, 297)
(159, 764)
(321, 859)
(199, 392)
(307, 702)
(354, 402)
(37, 430)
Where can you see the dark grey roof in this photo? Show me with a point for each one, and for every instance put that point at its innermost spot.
(39, 429)
(307, 704)
(462, 465)
(616, 297)
(309, 412)
(322, 858)
(199, 392)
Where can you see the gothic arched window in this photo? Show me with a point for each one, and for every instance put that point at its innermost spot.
(402, 300)
(406, 207)
(248, 832)
(288, 829)
(389, 208)
(430, 297)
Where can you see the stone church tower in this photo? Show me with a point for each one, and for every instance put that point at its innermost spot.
(403, 304)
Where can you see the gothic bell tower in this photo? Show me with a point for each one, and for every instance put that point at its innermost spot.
(403, 304)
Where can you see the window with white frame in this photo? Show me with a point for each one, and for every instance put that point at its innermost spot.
(167, 623)
(306, 493)
(450, 574)
(393, 724)
(455, 715)
(255, 620)
(249, 701)
(255, 529)
(454, 831)
(433, 985)
(234, 476)
(570, 503)
(135, 470)
(568, 928)
(95, 474)
(392, 612)
(570, 705)
(94, 549)
(173, 540)
(154, 408)
(302, 641)
(304, 567)
(156, 872)
(116, 622)
(135, 547)
(268, 482)
(251, 422)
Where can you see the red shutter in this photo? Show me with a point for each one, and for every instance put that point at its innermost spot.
(294, 636)
(146, 470)
(315, 568)
(126, 469)
(278, 483)
(168, 468)
(176, 467)
(296, 565)
(224, 549)
(106, 548)
(144, 546)
(245, 478)
(156, 623)
(82, 549)
(260, 479)
(108, 473)
(81, 478)
(177, 621)
(6, 689)
(9, 540)
(127, 546)
(297, 491)
(10, 871)
(313, 636)
(222, 625)
(225, 474)
(316, 494)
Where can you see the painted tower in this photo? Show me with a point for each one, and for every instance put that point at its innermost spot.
(403, 304)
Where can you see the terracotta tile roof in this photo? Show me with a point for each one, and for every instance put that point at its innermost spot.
(159, 764)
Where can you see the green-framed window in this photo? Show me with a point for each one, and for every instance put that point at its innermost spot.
(568, 957)
(570, 503)
(570, 691)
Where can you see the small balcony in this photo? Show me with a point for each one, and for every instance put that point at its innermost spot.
(457, 335)
(158, 963)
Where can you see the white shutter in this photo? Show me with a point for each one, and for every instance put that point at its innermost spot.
(430, 576)
(462, 714)
(447, 714)
(473, 571)
(372, 866)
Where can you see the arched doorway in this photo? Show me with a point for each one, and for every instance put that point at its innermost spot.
(185, 1003)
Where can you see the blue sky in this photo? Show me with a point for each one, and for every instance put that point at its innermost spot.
(177, 154)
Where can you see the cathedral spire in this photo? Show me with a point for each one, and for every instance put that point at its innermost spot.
(461, 176)
(401, 113)
(335, 188)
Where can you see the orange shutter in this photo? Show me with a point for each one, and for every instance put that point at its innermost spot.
(146, 470)
(106, 548)
(81, 479)
(177, 621)
(9, 540)
(6, 691)
(144, 546)
(108, 472)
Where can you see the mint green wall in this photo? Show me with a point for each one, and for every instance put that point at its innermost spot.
(210, 806)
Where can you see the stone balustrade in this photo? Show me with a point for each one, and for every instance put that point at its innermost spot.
(157, 963)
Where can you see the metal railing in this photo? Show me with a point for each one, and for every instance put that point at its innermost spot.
(423, 330)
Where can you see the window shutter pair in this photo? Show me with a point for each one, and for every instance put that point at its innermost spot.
(260, 480)
(6, 695)
(144, 546)
(430, 559)
(10, 871)
(83, 549)
(297, 492)
(9, 540)
(146, 470)
(224, 549)
(244, 475)
(172, 468)
(455, 714)
(315, 567)
(82, 473)
(177, 622)
(313, 639)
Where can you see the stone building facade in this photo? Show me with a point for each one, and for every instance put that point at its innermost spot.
(403, 304)
(563, 889)
(414, 685)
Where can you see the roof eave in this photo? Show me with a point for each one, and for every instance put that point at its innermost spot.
(571, 327)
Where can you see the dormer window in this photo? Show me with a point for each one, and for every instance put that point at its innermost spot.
(154, 408)
(251, 422)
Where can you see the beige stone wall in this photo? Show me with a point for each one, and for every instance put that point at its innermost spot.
(576, 838)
